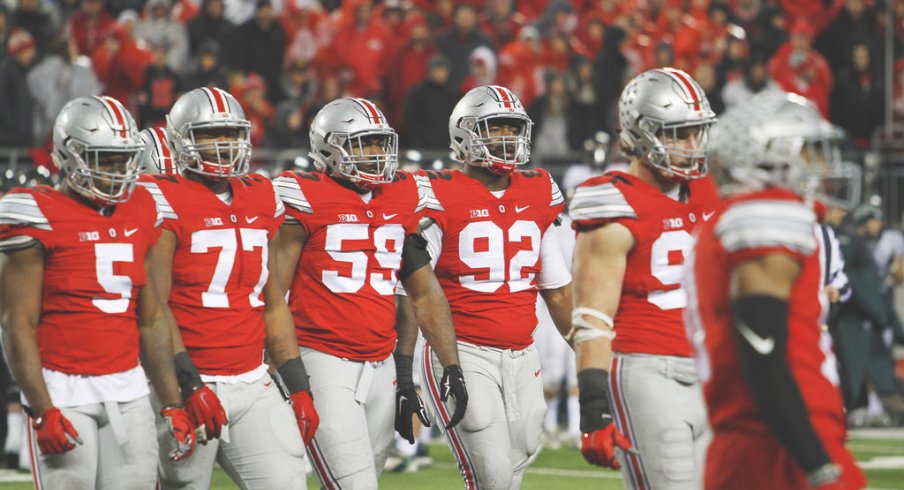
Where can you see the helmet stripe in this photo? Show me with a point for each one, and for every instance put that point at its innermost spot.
(222, 98)
(687, 85)
(162, 149)
(371, 109)
(503, 95)
(217, 101)
(117, 111)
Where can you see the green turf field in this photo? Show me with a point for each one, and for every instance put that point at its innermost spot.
(881, 453)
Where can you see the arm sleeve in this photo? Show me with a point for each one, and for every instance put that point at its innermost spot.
(554, 272)
(434, 236)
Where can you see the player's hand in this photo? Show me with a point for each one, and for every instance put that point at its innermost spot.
(55, 433)
(305, 414)
(408, 403)
(598, 447)
(206, 413)
(181, 430)
(453, 384)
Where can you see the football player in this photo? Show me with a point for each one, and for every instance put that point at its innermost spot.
(157, 156)
(492, 240)
(353, 223)
(757, 305)
(79, 310)
(212, 266)
(634, 233)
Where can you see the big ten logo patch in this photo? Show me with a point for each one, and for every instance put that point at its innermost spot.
(480, 213)
(88, 236)
(348, 218)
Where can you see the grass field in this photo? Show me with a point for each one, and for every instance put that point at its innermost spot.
(880, 453)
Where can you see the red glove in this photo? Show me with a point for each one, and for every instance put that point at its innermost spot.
(206, 413)
(598, 447)
(56, 435)
(181, 429)
(305, 414)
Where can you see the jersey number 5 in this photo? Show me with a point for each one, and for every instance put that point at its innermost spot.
(387, 256)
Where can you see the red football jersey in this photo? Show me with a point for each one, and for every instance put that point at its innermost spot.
(343, 294)
(93, 271)
(750, 226)
(490, 254)
(648, 320)
(219, 267)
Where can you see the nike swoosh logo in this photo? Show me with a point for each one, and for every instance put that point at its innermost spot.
(268, 383)
(389, 216)
(519, 209)
(707, 216)
(251, 220)
(759, 344)
(536, 373)
(131, 232)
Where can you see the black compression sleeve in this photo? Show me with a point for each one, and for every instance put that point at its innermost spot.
(593, 388)
(404, 366)
(761, 333)
(294, 375)
(414, 255)
(187, 375)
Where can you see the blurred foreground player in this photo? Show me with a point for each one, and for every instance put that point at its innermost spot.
(757, 307)
(79, 310)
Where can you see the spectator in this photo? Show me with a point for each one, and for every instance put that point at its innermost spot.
(15, 97)
(482, 66)
(550, 114)
(705, 75)
(501, 22)
(259, 47)
(5, 27)
(208, 71)
(663, 55)
(252, 95)
(856, 23)
(362, 43)
(755, 80)
(519, 65)
(409, 67)
(90, 26)
(868, 323)
(119, 63)
(238, 12)
(800, 69)
(584, 118)
(610, 72)
(300, 82)
(773, 31)
(731, 66)
(589, 39)
(161, 88)
(29, 16)
(428, 107)
(61, 76)
(159, 29)
(859, 99)
(307, 28)
(460, 41)
(208, 25)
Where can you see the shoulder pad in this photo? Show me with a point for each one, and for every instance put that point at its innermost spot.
(21, 208)
(766, 224)
(426, 197)
(556, 194)
(164, 208)
(290, 193)
(600, 200)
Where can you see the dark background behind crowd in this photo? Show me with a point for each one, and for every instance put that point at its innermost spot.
(566, 60)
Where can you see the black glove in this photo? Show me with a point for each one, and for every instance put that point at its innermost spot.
(408, 402)
(453, 383)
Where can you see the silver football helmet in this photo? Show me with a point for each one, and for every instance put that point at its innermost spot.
(665, 119)
(157, 156)
(351, 139)
(780, 139)
(469, 129)
(96, 145)
(209, 134)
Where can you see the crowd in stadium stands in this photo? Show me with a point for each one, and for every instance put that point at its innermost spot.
(566, 60)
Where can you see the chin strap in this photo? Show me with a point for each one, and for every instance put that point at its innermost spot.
(582, 330)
